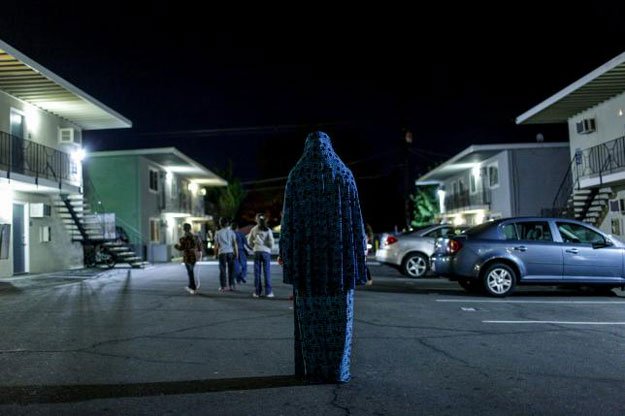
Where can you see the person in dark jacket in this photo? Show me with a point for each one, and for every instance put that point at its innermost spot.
(240, 263)
(188, 245)
(322, 248)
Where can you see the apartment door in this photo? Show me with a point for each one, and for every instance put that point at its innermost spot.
(19, 239)
(17, 141)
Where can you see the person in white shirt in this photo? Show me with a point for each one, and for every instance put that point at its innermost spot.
(227, 251)
(261, 240)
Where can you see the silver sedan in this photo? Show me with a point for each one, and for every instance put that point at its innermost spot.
(411, 251)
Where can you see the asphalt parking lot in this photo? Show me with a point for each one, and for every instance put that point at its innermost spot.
(137, 343)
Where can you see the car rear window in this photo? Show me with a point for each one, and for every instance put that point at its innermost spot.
(478, 229)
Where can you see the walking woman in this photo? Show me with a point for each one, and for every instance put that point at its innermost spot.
(261, 240)
(322, 247)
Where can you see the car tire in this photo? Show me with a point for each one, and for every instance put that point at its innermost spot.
(499, 280)
(415, 265)
(470, 285)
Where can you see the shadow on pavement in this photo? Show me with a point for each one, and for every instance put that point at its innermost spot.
(76, 393)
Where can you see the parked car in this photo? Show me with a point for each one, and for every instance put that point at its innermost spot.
(411, 251)
(275, 250)
(498, 255)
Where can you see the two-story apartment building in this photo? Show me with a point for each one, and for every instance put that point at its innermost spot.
(594, 109)
(498, 180)
(42, 119)
(152, 192)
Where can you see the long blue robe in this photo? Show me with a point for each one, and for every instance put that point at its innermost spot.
(322, 245)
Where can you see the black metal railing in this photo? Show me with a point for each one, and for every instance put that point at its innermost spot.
(599, 160)
(466, 199)
(26, 157)
(595, 161)
(561, 206)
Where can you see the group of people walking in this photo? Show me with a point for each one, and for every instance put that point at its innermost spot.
(231, 249)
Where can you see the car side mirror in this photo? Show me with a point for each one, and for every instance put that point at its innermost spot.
(603, 244)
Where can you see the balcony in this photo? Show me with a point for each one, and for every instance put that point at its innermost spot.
(25, 157)
(465, 200)
(603, 164)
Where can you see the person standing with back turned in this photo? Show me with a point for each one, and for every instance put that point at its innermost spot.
(261, 240)
(322, 247)
(226, 252)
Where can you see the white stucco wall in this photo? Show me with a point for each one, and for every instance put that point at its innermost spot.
(60, 253)
(609, 124)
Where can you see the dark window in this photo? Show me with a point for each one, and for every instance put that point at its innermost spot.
(575, 233)
(530, 230)
(153, 180)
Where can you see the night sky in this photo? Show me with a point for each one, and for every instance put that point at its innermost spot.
(247, 85)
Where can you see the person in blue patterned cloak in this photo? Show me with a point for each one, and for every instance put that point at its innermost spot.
(322, 247)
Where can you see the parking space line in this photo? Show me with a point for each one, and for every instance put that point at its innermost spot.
(554, 322)
(598, 302)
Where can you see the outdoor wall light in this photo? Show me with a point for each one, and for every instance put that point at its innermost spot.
(78, 155)
(193, 187)
(203, 191)
(476, 171)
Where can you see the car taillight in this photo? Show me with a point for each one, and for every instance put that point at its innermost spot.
(454, 246)
(390, 240)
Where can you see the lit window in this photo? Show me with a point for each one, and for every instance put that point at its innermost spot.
(155, 230)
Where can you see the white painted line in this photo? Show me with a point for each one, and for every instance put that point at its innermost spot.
(599, 302)
(554, 322)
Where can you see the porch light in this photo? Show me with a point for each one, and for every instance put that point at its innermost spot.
(193, 187)
(78, 155)
(476, 171)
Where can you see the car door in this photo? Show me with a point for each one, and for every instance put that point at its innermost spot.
(585, 262)
(532, 243)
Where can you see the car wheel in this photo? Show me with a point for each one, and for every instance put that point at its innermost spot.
(471, 286)
(415, 265)
(499, 280)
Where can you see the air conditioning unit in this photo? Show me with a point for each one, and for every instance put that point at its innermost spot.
(68, 135)
(586, 126)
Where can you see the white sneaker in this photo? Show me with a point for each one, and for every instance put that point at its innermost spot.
(191, 291)
(270, 295)
(254, 295)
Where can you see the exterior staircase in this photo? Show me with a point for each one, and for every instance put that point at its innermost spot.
(589, 205)
(87, 228)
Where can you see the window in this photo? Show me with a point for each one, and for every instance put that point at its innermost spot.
(454, 188)
(155, 230)
(529, 231)
(473, 184)
(461, 186)
(509, 231)
(153, 180)
(575, 233)
(493, 175)
(45, 234)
